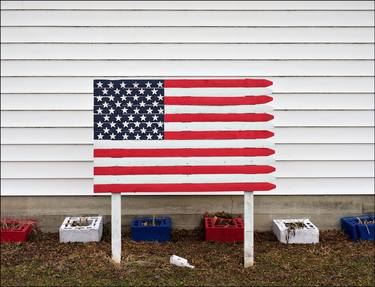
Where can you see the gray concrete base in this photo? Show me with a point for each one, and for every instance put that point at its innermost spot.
(186, 211)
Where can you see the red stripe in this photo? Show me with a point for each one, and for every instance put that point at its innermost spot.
(217, 118)
(217, 83)
(212, 135)
(184, 187)
(183, 152)
(217, 101)
(220, 169)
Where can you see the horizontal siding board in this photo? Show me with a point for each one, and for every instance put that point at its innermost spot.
(50, 187)
(282, 118)
(324, 186)
(282, 135)
(46, 101)
(100, 68)
(47, 169)
(187, 51)
(323, 152)
(323, 101)
(324, 135)
(47, 152)
(324, 118)
(281, 84)
(290, 169)
(285, 152)
(186, 35)
(46, 135)
(280, 101)
(181, 18)
(196, 5)
(285, 186)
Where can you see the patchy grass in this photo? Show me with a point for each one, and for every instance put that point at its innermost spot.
(43, 261)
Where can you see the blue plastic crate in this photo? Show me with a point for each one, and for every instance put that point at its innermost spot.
(358, 231)
(366, 233)
(348, 225)
(161, 232)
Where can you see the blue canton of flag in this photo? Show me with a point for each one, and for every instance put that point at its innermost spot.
(129, 110)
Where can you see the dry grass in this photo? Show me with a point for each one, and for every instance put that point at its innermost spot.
(43, 261)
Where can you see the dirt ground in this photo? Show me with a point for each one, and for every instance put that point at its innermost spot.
(44, 261)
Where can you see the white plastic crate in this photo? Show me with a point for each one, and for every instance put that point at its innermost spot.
(92, 231)
(308, 234)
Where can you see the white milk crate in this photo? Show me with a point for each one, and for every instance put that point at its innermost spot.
(309, 233)
(81, 229)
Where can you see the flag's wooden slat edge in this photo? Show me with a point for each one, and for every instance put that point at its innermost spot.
(192, 135)
(182, 152)
(151, 170)
(224, 187)
(222, 83)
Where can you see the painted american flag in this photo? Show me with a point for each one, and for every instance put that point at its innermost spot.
(201, 135)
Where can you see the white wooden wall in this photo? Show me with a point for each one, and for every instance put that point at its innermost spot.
(319, 55)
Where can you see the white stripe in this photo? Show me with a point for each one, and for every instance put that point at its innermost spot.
(170, 109)
(182, 178)
(222, 126)
(183, 161)
(217, 92)
(183, 144)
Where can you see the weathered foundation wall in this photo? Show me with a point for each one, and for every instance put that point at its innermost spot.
(186, 211)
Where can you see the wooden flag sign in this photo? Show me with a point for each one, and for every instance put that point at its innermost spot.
(182, 135)
(201, 135)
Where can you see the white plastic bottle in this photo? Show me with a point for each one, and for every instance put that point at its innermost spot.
(179, 261)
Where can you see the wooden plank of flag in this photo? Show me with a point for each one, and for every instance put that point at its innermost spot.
(182, 135)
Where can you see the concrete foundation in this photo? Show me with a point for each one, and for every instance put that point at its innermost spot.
(186, 211)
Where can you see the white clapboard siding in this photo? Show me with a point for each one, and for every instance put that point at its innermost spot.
(285, 152)
(281, 84)
(319, 54)
(282, 135)
(289, 169)
(301, 101)
(13, 51)
(313, 152)
(324, 135)
(138, 35)
(49, 136)
(298, 101)
(180, 68)
(178, 18)
(48, 152)
(189, 5)
(285, 186)
(282, 119)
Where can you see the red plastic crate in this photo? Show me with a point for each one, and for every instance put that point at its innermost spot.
(227, 233)
(19, 234)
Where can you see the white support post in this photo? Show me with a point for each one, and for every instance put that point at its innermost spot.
(116, 227)
(249, 229)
